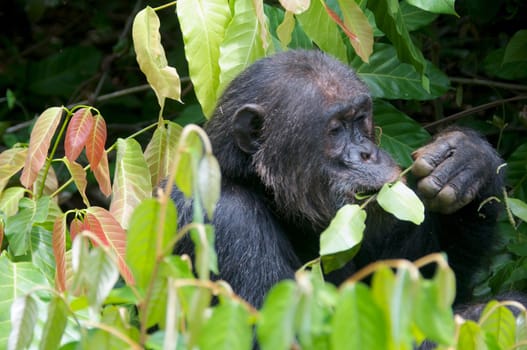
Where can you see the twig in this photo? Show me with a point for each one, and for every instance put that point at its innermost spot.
(473, 110)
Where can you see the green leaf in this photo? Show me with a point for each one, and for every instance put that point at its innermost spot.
(228, 328)
(388, 77)
(361, 30)
(358, 322)
(55, 324)
(433, 311)
(141, 245)
(400, 134)
(10, 199)
(155, 154)
(285, 30)
(299, 39)
(209, 183)
(23, 320)
(16, 280)
(471, 337)
(516, 50)
(203, 24)
(275, 328)
(188, 164)
(500, 323)
(206, 257)
(151, 57)
(317, 24)
(60, 74)
(42, 252)
(131, 183)
(390, 20)
(341, 240)
(518, 208)
(436, 6)
(242, 44)
(402, 202)
(414, 17)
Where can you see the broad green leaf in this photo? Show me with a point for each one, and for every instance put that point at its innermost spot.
(323, 31)
(188, 164)
(500, 323)
(356, 21)
(60, 74)
(142, 251)
(341, 240)
(39, 143)
(11, 161)
(16, 280)
(228, 328)
(390, 20)
(209, 183)
(387, 77)
(77, 133)
(42, 251)
(399, 200)
(299, 39)
(23, 320)
(285, 30)
(96, 141)
(203, 24)
(275, 327)
(103, 275)
(55, 324)
(471, 337)
(18, 227)
(433, 307)
(131, 183)
(400, 135)
(296, 6)
(358, 322)
(78, 174)
(242, 44)
(517, 172)
(521, 330)
(516, 50)
(414, 17)
(518, 208)
(101, 222)
(155, 152)
(436, 6)
(151, 56)
(59, 251)
(10, 199)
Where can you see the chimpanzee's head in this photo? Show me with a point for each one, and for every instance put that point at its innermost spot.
(300, 123)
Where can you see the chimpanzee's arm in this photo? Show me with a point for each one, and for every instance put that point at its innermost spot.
(253, 252)
(458, 172)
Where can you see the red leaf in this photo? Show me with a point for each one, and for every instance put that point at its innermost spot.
(102, 175)
(59, 251)
(110, 233)
(39, 143)
(96, 141)
(79, 129)
(341, 24)
(76, 226)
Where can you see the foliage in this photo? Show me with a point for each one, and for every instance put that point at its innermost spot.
(60, 268)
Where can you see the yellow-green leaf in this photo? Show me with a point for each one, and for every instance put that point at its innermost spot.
(402, 202)
(131, 183)
(151, 57)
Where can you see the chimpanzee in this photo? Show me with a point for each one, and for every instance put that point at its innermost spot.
(295, 140)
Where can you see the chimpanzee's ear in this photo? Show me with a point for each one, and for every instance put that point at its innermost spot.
(247, 127)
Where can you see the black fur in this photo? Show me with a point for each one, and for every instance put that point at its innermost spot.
(295, 141)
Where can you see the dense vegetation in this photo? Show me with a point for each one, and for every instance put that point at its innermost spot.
(82, 269)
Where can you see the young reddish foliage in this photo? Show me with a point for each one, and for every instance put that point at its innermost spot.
(59, 251)
(79, 129)
(96, 141)
(76, 226)
(102, 175)
(110, 233)
(79, 177)
(39, 143)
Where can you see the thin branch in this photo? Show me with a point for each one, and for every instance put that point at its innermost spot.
(473, 110)
(489, 83)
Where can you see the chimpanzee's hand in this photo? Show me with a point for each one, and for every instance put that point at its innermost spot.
(457, 167)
